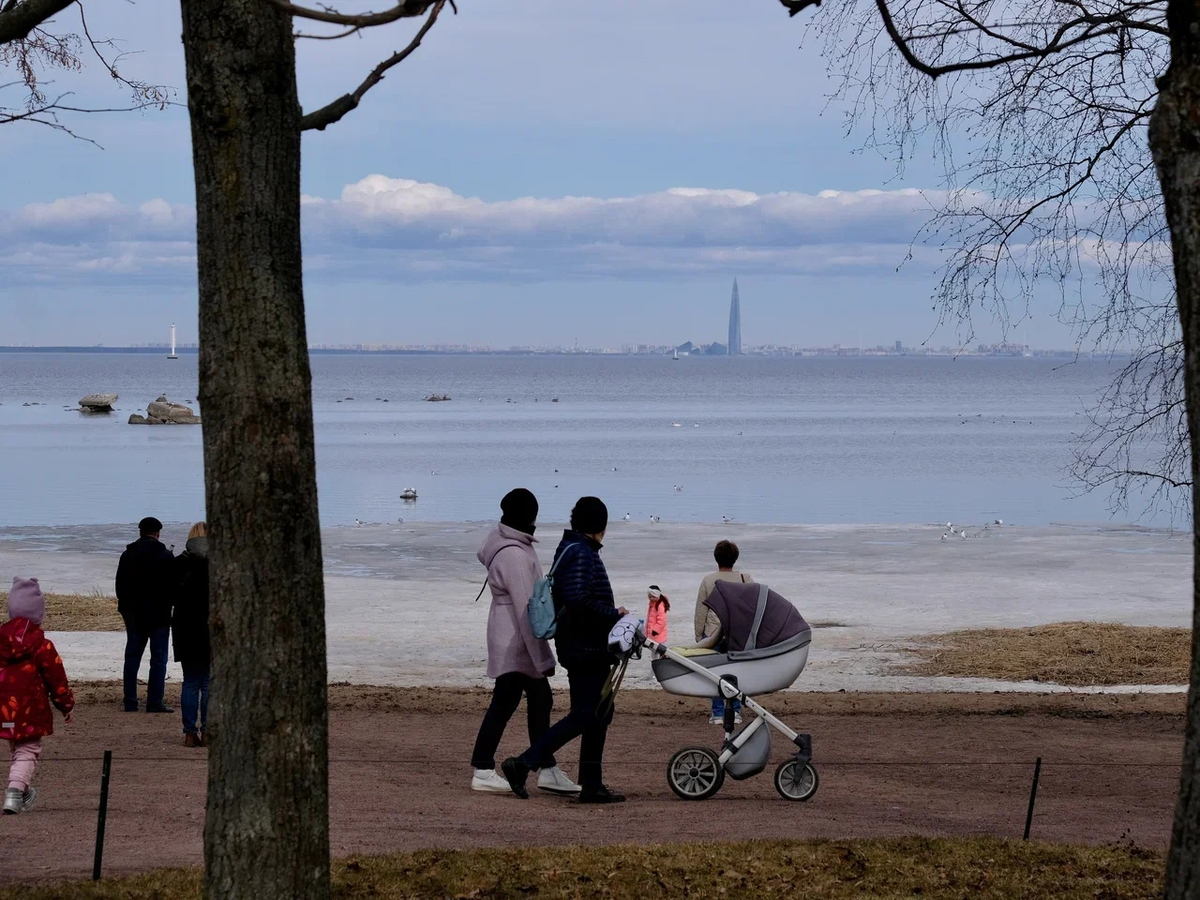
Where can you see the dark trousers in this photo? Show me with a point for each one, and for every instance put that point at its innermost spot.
(587, 681)
(159, 640)
(193, 701)
(506, 697)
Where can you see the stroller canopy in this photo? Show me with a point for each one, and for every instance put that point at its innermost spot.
(754, 618)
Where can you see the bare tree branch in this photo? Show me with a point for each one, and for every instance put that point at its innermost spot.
(18, 18)
(1038, 121)
(332, 112)
(405, 9)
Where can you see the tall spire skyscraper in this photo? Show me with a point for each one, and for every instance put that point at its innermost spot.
(735, 323)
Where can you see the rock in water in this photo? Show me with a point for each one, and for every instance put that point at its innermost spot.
(98, 402)
(163, 412)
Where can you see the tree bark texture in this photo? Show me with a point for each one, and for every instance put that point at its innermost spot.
(1175, 145)
(267, 829)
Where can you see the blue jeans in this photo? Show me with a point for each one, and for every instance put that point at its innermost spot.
(719, 706)
(194, 697)
(585, 719)
(135, 648)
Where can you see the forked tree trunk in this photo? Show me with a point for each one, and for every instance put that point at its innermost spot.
(1175, 144)
(267, 829)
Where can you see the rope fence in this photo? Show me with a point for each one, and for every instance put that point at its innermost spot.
(108, 758)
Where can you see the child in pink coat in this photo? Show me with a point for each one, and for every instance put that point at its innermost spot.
(656, 615)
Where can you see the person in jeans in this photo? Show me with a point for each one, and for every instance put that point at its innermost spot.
(708, 626)
(144, 588)
(189, 631)
(583, 600)
(518, 661)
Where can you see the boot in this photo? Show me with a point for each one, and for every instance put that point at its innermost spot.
(14, 800)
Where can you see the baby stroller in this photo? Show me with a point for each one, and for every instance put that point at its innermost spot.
(768, 643)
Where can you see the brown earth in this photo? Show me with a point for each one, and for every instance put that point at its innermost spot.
(890, 765)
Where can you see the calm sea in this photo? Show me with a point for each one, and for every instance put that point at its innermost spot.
(755, 439)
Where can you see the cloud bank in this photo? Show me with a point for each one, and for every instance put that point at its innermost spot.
(394, 229)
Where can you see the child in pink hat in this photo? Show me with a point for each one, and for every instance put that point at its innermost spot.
(31, 678)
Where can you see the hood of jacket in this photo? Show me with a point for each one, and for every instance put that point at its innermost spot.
(19, 640)
(198, 546)
(500, 537)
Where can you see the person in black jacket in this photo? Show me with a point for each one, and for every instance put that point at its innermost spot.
(144, 582)
(583, 601)
(189, 631)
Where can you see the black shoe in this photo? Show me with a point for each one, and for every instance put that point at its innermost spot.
(160, 709)
(131, 709)
(602, 794)
(516, 773)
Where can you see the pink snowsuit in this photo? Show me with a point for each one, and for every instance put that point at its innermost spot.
(656, 621)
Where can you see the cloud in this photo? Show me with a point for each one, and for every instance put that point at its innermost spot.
(396, 229)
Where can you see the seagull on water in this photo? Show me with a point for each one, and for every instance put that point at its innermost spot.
(726, 519)
(626, 517)
(359, 522)
(678, 488)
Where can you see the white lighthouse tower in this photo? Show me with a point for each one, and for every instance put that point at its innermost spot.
(172, 355)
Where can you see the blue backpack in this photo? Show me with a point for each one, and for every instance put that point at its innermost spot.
(543, 618)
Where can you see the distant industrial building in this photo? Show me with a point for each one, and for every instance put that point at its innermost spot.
(735, 323)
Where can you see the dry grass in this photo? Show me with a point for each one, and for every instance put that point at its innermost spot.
(980, 868)
(79, 612)
(1070, 653)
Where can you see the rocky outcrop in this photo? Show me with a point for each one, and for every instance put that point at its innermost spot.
(163, 412)
(438, 398)
(98, 402)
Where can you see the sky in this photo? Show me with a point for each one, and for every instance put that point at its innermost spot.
(537, 173)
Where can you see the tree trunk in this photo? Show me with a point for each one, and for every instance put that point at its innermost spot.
(267, 828)
(1175, 144)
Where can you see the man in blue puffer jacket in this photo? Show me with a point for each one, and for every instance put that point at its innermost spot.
(583, 600)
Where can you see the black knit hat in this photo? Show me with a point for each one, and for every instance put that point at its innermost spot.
(520, 510)
(590, 515)
(149, 525)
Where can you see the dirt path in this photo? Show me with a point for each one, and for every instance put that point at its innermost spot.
(889, 765)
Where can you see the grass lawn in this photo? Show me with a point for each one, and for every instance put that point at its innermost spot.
(79, 612)
(979, 868)
(1071, 653)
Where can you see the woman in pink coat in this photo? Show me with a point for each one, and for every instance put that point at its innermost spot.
(520, 663)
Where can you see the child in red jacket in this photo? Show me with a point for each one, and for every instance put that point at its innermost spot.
(656, 615)
(31, 678)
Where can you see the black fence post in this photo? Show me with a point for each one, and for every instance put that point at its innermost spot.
(1037, 771)
(104, 776)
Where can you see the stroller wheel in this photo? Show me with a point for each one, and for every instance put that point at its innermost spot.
(795, 781)
(695, 773)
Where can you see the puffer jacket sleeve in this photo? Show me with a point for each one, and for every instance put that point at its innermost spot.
(54, 675)
(573, 580)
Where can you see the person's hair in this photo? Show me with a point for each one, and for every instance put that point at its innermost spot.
(589, 516)
(149, 526)
(726, 554)
(198, 530)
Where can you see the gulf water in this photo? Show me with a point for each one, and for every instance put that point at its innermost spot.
(754, 439)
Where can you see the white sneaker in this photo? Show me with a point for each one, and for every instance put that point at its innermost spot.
(555, 781)
(490, 781)
(716, 720)
(737, 718)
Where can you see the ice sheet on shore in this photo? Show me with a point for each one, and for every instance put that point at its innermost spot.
(399, 604)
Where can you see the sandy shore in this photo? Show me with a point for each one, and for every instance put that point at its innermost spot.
(399, 597)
